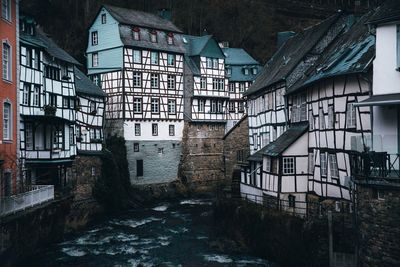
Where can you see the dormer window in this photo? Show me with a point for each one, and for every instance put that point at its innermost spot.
(170, 38)
(136, 33)
(153, 36)
(95, 38)
(228, 71)
(255, 71)
(103, 18)
(246, 71)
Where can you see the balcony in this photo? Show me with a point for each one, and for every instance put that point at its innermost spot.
(37, 195)
(376, 168)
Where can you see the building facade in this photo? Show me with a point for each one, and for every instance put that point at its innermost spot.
(241, 70)
(8, 98)
(47, 106)
(137, 59)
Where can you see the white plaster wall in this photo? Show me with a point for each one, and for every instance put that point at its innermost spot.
(146, 130)
(386, 78)
(385, 135)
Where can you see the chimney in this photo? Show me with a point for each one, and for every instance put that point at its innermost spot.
(282, 37)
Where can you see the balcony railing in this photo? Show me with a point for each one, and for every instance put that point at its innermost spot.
(38, 195)
(376, 167)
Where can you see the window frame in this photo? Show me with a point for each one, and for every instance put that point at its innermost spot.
(95, 38)
(154, 58)
(203, 83)
(137, 105)
(201, 105)
(138, 130)
(351, 116)
(171, 82)
(323, 164)
(155, 105)
(7, 121)
(171, 60)
(288, 165)
(137, 56)
(104, 18)
(6, 61)
(95, 59)
(154, 129)
(154, 80)
(171, 130)
(6, 16)
(171, 106)
(333, 166)
(137, 79)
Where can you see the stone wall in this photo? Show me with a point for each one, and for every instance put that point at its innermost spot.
(202, 166)
(160, 161)
(236, 142)
(379, 231)
(24, 233)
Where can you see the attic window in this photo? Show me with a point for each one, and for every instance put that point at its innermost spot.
(103, 18)
(136, 33)
(153, 36)
(255, 71)
(246, 71)
(170, 38)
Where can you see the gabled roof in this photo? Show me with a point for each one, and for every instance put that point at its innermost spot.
(197, 45)
(351, 52)
(84, 85)
(141, 18)
(290, 54)
(238, 56)
(40, 39)
(237, 73)
(277, 147)
(387, 12)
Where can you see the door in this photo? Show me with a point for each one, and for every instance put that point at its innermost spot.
(139, 168)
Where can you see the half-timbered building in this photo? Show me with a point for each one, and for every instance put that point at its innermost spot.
(8, 98)
(90, 106)
(311, 158)
(137, 59)
(241, 70)
(47, 107)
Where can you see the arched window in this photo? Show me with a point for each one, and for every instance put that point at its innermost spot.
(6, 61)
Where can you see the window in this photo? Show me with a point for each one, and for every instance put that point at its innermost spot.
(311, 162)
(246, 71)
(6, 9)
(137, 129)
(137, 56)
(201, 105)
(7, 121)
(153, 36)
(268, 164)
(95, 60)
(321, 119)
(218, 84)
(171, 60)
(26, 94)
(219, 106)
(331, 119)
(137, 79)
(53, 100)
(139, 168)
(135, 147)
(154, 129)
(155, 103)
(171, 106)
(241, 87)
(103, 18)
(154, 80)
(37, 60)
(71, 135)
(228, 71)
(170, 38)
(28, 136)
(6, 61)
(160, 150)
(171, 130)
(232, 87)
(28, 57)
(92, 107)
(95, 38)
(65, 102)
(213, 106)
(154, 58)
(171, 82)
(209, 63)
(333, 166)
(136, 33)
(57, 137)
(137, 105)
(52, 72)
(241, 107)
(288, 165)
(203, 83)
(96, 80)
(351, 115)
(93, 171)
(255, 141)
(323, 164)
(255, 71)
(311, 120)
(215, 63)
(299, 109)
(292, 201)
(231, 106)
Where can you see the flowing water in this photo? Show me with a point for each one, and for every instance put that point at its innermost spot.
(169, 234)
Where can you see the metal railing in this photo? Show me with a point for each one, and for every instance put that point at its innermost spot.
(39, 194)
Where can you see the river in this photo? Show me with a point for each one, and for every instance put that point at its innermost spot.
(169, 234)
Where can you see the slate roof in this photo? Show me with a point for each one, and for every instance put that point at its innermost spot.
(290, 54)
(141, 18)
(277, 147)
(351, 52)
(84, 85)
(40, 39)
(192, 66)
(144, 42)
(195, 44)
(380, 100)
(387, 12)
(237, 74)
(238, 56)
